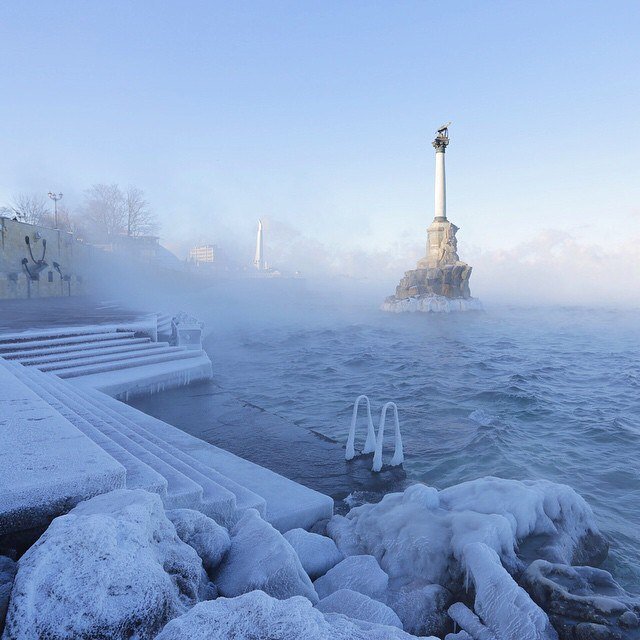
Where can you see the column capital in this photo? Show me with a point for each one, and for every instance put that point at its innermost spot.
(440, 143)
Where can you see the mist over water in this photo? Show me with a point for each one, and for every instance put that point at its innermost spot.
(514, 392)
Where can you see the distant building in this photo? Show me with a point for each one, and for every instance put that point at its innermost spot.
(204, 254)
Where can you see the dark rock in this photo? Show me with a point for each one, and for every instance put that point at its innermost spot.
(583, 602)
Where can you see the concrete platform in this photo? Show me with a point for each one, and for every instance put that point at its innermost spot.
(46, 464)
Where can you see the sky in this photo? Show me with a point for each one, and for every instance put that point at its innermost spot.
(318, 117)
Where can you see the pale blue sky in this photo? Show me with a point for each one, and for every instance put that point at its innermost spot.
(318, 115)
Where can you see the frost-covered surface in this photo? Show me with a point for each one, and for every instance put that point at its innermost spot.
(358, 573)
(420, 535)
(577, 598)
(260, 558)
(317, 553)
(7, 574)
(356, 605)
(46, 464)
(113, 567)
(431, 304)
(422, 609)
(256, 616)
(504, 609)
(210, 540)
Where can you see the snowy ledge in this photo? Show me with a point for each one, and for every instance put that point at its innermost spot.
(431, 304)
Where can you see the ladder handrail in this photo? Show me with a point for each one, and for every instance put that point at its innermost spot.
(370, 444)
(398, 454)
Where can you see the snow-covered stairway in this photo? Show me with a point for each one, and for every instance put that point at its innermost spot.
(118, 359)
(184, 470)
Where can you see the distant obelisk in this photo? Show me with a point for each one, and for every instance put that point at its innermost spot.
(440, 145)
(259, 259)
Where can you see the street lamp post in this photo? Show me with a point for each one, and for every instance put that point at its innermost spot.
(55, 197)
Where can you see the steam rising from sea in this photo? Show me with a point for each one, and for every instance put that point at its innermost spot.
(519, 393)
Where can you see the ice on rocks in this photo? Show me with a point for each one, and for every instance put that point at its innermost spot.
(317, 553)
(261, 558)
(7, 574)
(356, 605)
(358, 573)
(419, 535)
(210, 540)
(504, 609)
(256, 615)
(113, 567)
(422, 609)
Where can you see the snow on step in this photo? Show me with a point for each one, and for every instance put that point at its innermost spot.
(73, 372)
(46, 465)
(245, 499)
(289, 505)
(7, 345)
(51, 354)
(139, 475)
(215, 501)
(153, 348)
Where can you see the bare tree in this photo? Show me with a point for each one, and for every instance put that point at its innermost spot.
(30, 208)
(105, 209)
(141, 220)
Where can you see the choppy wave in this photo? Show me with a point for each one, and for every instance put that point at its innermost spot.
(516, 393)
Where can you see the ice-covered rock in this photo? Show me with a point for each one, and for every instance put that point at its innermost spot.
(419, 535)
(113, 567)
(317, 553)
(256, 616)
(422, 609)
(7, 574)
(503, 609)
(210, 540)
(356, 605)
(576, 598)
(358, 573)
(261, 558)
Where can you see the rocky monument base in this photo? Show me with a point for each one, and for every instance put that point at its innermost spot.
(431, 304)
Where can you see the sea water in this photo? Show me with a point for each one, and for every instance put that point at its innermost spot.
(513, 392)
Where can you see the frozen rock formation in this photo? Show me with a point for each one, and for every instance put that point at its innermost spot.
(210, 540)
(503, 610)
(261, 558)
(419, 535)
(422, 609)
(255, 616)
(431, 304)
(7, 574)
(356, 605)
(583, 602)
(317, 553)
(113, 567)
(357, 573)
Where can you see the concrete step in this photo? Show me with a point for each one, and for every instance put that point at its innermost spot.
(56, 332)
(288, 504)
(7, 345)
(50, 354)
(134, 419)
(47, 465)
(139, 475)
(152, 348)
(214, 500)
(179, 354)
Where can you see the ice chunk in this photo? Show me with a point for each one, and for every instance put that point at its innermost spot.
(261, 558)
(356, 605)
(505, 609)
(210, 540)
(113, 567)
(317, 553)
(358, 573)
(422, 609)
(256, 615)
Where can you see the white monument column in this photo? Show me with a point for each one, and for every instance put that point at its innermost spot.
(259, 259)
(440, 145)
